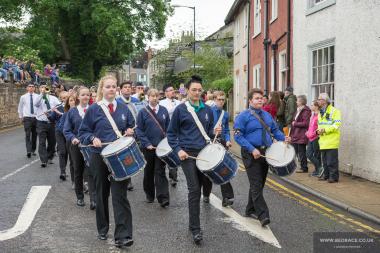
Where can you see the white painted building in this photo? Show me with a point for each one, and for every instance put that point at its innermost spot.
(239, 16)
(337, 50)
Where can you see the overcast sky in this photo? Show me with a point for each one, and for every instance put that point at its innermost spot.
(210, 16)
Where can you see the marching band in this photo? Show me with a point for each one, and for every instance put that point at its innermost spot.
(119, 135)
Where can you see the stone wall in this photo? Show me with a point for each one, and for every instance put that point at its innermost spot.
(9, 98)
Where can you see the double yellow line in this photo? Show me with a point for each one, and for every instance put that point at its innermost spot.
(332, 214)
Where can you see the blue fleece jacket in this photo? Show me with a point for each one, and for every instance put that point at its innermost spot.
(72, 123)
(183, 133)
(57, 118)
(96, 124)
(249, 131)
(147, 130)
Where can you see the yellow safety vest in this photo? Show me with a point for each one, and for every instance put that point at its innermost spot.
(330, 121)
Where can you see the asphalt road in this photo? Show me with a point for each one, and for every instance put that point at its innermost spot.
(60, 226)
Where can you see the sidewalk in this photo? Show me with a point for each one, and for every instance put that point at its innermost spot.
(356, 195)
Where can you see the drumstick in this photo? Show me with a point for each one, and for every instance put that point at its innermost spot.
(196, 158)
(92, 145)
(216, 135)
(270, 158)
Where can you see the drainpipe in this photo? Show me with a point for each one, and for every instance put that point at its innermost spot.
(266, 43)
(288, 45)
(248, 50)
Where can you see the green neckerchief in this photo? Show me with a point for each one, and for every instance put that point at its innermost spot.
(199, 107)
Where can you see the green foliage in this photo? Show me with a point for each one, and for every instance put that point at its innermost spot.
(211, 66)
(224, 84)
(89, 33)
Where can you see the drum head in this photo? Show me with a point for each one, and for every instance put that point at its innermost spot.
(163, 148)
(117, 145)
(281, 153)
(210, 156)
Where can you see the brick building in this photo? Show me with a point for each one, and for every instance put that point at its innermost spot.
(270, 44)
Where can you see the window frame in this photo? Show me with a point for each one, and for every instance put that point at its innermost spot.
(256, 20)
(274, 9)
(256, 76)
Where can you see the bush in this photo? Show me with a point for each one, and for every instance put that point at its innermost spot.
(224, 84)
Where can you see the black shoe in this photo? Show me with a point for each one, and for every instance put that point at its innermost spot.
(62, 177)
(264, 222)
(251, 215)
(127, 242)
(92, 205)
(29, 155)
(332, 180)
(227, 202)
(130, 186)
(164, 203)
(198, 238)
(322, 179)
(34, 154)
(206, 199)
(149, 200)
(80, 202)
(43, 165)
(102, 237)
(50, 161)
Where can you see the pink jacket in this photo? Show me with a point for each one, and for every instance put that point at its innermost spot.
(313, 126)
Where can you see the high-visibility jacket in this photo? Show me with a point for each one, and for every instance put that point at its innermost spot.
(330, 121)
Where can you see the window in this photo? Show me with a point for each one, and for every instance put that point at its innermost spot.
(322, 73)
(274, 10)
(256, 76)
(257, 18)
(272, 70)
(236, 91)
(314, 6)
(282, 70)
(245, 25)
(237, 35)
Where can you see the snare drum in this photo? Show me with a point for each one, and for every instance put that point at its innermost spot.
(167, 155)
(217, 163)
(123, 158)
(281, 158)
(86, 152)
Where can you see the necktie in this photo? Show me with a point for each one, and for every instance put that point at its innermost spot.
(47, 102)
(84, 110)
(31, 104)
(154, 110)
(110, 107)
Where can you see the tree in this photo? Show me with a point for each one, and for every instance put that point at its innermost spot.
(89, 33)
(212, 65)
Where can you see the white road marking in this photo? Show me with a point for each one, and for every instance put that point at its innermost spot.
(18, 170)
(253, 227)
(33, 202)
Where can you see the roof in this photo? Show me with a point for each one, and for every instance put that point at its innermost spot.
(234, 10)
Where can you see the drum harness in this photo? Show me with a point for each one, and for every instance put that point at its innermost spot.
(155, 120)
(266, 127)
(197, 122)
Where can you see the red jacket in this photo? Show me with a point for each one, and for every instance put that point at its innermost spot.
(272, 109)
(300, 125)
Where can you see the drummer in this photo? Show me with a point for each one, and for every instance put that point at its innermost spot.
(152, 123)
(254, 140)
(72, 123)
(127, 98)
(221, 118)
(96, 129)
(186, 139)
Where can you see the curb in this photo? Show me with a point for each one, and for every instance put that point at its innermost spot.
(334, 202)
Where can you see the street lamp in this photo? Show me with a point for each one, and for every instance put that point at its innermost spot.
(193, 8)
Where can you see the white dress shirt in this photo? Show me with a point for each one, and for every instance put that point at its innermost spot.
(81, 110)
(41, 107)
(107, 103)
(155, 109)
(24, 109)
(170, 105)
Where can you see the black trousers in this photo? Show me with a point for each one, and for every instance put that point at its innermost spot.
(63, 153)
(30, 125)
(46, 135)
(257, 170)
(68, 148)
(313, 153)
(155, 182)
(79, 170)
(330, 160)
(226, 189)
(121, 207)
(194, 179)
(301, 154)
